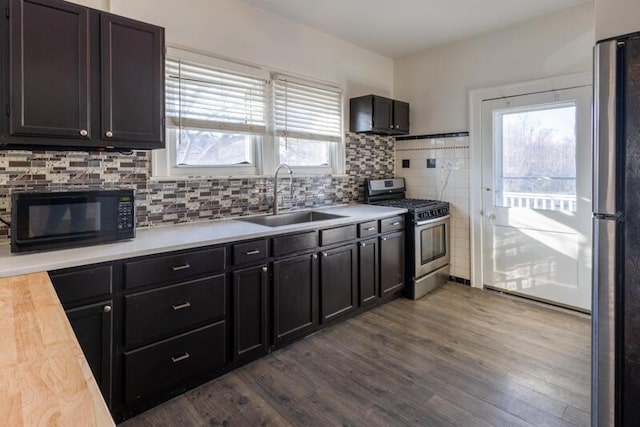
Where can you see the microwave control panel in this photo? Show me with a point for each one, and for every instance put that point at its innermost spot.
(126, 218)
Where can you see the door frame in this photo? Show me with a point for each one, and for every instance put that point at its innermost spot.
(476, 97)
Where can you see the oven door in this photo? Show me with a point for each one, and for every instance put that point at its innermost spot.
(431, 245)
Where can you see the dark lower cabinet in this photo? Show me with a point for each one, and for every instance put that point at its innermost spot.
(93, 326)
(295, 297)
(163, 365)
(368, 276)
(338, 282)
(391, 263)
(250, 299)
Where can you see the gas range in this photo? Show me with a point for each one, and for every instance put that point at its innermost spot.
(427, 234)
(391, 192)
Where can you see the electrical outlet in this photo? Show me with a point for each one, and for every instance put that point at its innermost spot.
(431, 163)
(406, 163)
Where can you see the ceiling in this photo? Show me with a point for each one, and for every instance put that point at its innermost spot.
(397, 28)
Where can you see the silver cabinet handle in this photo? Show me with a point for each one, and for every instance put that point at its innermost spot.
(254, 252)
(176, 359)
(395, 223)
(181, 306)
(180, 267)
(106, 309)
(362, 245)
(370, 229)
(265, 269)
(84, 132)
(314, 256)
(325, 254)
(108, 134)
(384, 239)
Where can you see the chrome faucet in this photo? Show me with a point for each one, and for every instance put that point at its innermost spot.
(275, 185)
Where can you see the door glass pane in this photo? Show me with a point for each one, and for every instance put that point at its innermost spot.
(536, 157)
(432, 245)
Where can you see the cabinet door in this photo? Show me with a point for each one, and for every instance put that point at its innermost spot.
(368, 279)
(132, 55)
(383, 114)
(338, 282)
(93, 326)
(249, 312)
(401, 117)
(391, 263)
(295, 297)
(51, 100)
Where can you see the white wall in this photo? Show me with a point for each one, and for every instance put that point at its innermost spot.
(616, 17)
(437, 82)
(235, 30)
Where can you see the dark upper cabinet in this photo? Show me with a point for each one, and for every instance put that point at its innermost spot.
(338, 282)
(79, 78)
(250, 325)
(93, 326)
(132, 80)
(49, 54)
(401, 117)
(378, 115)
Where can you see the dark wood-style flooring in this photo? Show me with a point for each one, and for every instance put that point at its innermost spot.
(457, 357)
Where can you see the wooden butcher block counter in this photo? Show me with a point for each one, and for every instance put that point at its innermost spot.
(44, 377)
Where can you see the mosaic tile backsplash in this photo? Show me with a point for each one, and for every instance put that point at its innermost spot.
(184, 200)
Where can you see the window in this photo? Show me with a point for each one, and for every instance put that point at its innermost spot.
(536, 157)
(227, 119)
(308, 122)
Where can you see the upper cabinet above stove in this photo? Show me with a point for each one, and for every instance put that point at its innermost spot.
(378, 115)
(78, 78)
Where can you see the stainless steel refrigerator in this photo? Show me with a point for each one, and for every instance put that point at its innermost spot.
(616, 222)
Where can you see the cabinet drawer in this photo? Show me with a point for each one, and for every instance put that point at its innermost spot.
(392, 224)
(160, 366)
(244, 253)
(161, 312)
(173, 267)
(366, 229)
(283, 245)
(83, 284)
(337, 235)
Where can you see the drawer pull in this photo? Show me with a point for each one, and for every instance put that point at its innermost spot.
(363, 245)
(254, 252)
(395, 223)
(180, 267)
(325, 254)
(384, 239)
(176, 359)
(370, 229)
(181, 306)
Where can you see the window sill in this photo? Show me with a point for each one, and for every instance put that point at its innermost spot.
(212, 177)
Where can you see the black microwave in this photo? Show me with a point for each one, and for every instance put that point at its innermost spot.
(57, 220)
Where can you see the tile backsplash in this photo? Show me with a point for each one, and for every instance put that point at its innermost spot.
(439, 169)
(183, 200)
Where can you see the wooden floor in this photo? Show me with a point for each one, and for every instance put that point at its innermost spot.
(457, 357)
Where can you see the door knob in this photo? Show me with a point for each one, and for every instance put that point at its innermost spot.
(108, 134)
(84, 132)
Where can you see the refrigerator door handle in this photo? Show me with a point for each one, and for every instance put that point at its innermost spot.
(603, 317)
(604, 127)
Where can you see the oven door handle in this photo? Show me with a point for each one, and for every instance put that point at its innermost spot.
(432, 221)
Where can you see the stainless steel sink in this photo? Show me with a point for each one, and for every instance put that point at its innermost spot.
(290, 218)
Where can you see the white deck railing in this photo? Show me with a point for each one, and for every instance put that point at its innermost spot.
(552, 202)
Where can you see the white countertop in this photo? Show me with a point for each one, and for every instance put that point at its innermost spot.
(176, 237)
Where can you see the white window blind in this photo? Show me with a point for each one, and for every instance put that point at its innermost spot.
(305, 111)
(202, 97)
